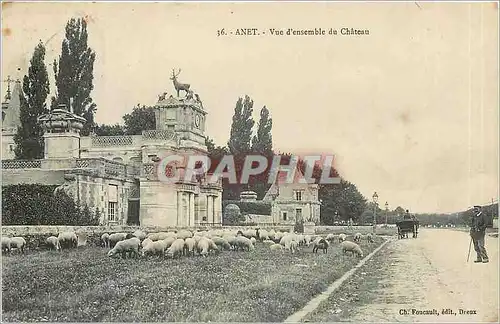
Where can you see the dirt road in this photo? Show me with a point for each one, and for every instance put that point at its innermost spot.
(430, 273)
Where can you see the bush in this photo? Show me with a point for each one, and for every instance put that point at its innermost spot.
(36, 204)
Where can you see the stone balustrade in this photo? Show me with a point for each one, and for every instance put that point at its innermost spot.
(21, 164)
(101, 165)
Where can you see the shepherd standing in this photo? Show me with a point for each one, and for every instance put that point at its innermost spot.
(477, 233)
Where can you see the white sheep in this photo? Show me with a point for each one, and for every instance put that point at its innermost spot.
(221, 242)
(165, 235)
(168, 241)
(189, 246)
(369, 237)
(18, 242)
(126, 246)
(154, 248)
(330, 237)
(253, 240)
(243, 242)
(276, 247)
(320, 243)
(153, 236)
(263, 235)
(5, 244)
(307, 239)
(53, 243)
(202, 246)
(342, 237)
(184, 234)
(105, 240)
(357, 237)
(294, 246)
(115, 238)
(351, 247)
(146, 242)
(67, 240)
(176, 248)
(139, 234)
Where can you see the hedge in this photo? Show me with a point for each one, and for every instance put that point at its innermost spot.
(36, 204)
(250, 207)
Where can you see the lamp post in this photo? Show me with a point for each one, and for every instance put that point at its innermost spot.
(375, 200)
(386, 212)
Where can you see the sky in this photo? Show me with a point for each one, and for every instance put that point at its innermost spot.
(409, 111)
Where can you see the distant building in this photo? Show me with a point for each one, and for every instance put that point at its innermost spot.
(118, 174)
(293, 202)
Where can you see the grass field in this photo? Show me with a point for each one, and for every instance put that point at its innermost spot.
(86, 285)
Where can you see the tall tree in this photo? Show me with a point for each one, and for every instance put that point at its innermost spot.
(109, 130)
(28, 139)
(140, 119)
(74, 73)
(263, 141)
(241, 127)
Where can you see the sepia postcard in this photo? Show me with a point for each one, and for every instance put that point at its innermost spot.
(250, 162)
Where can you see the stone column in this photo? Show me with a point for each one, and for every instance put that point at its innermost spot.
(213, 209)
(179, 207)
(209, 208)
(191, 209)
(218, 211)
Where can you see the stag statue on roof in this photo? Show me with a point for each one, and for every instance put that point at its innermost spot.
(179, 86)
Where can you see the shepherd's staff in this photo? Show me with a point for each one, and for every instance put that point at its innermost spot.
(468, 254)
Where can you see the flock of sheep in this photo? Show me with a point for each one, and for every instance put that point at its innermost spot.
(187, 243)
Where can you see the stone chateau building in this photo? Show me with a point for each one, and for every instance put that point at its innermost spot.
(117, 174)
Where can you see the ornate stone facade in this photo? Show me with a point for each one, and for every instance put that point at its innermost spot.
(118, 174)
(293, 202)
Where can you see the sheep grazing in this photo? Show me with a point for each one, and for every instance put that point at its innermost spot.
(105, 240)
(342, 237)
(202, 246)
(369, 237)
(5, 244)
(115, 238)
(330, 237)
(212, 247)
(294, 246)
(176, 248)
(276, 247)
(320, 243)
(263, 235)
(154, 248)
(253, 240)
(129, 236)
(244, 243)
(352, 247)
(123, 247)
(146, 242)
(53, 243)
(221, 243)
(139, 234)
(189, 245)
(307, 240)
(67, 240)
(184, 234)
(18, 242)
(357, 237)
(168, 241)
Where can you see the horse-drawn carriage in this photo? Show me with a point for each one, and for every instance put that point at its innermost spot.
(406, 226)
